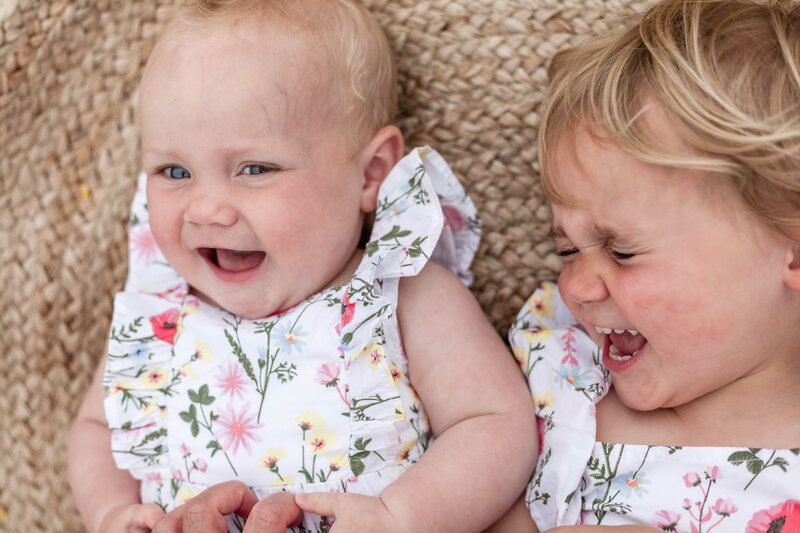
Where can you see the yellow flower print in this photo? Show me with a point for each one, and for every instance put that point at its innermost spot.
(521, 354)
(284, 481)
(203, 351)
(188, 371)
(320, 440)
(337, 461)
(184, 495)
(151, 407)
(154, 379)
(537, 337)
(543, 400)
(309, 421)
(540, 303)
(395, 373)
(121, 386)
(187, 310)
(405, 450)
(272, 457)
(374, 353)
(400, 412)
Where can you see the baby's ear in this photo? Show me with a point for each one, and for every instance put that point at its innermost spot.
(791, 275)
(380, 155)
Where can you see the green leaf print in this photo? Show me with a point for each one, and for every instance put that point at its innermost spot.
(202, 398)
(755, 464)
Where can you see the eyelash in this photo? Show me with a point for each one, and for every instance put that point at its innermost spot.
(266, 170)
(618, 256)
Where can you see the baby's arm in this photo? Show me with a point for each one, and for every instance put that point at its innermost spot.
(107, 497)
(480, 411)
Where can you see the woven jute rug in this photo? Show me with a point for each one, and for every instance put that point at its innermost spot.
(472, 74)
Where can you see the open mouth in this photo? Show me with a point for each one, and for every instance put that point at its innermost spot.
(232, 260)
(622, 344)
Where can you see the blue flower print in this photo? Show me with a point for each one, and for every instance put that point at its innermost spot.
(572, 376)
(138, 354)
(630, 483)
(290, 338)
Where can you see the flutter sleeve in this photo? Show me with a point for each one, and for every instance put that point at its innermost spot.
(566, 380)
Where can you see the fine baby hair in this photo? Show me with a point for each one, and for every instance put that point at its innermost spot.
(262, 347)
(670, 153)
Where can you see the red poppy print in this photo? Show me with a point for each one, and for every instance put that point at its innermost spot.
(165, 325)
(781, 518)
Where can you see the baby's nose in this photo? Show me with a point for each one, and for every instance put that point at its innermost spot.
(210, 208)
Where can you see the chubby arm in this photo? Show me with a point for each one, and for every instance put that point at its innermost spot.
(478, 403)
(480, 411)
(101, 490)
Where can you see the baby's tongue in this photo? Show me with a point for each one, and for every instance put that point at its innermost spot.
(236, 261)
(626, 343)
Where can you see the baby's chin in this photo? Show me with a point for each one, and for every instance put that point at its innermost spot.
(246, 310)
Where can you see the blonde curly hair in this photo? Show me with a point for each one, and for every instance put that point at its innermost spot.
(726, 74)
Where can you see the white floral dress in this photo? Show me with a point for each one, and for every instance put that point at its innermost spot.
(315, 398)
(581, 481)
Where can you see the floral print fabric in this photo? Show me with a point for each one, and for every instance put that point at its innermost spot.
(315, 398)
(581, 481)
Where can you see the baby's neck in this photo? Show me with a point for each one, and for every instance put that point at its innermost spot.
(756, 411)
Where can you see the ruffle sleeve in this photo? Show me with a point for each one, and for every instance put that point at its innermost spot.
(423, 213)
(138, 378)
(566, 380)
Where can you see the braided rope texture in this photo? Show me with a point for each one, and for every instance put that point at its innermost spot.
(472, 74)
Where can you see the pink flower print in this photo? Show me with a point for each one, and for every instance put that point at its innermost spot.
(348, 309)
(165, 325)
(666, 520)
(724, 507)
(232, 381)
(185, 450)
(328, 376)
(177, 474)
(143, 244)
(453, 217)
(237, 428)
(155, 476)
(713, 473)
(692, 480)
(784, 517)
(200, 464)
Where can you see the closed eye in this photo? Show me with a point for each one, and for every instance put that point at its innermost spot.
(565, 253)
(620, 256)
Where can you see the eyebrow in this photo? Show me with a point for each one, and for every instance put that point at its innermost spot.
(596, 233)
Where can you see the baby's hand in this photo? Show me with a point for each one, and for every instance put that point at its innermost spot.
(353, 512)
(205, 513)
(131, 518)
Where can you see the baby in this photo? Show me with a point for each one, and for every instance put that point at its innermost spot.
(271, 350)
(665, 367)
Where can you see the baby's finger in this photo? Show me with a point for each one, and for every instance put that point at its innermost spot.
(147, 515)
(274, 514)
(321, 503)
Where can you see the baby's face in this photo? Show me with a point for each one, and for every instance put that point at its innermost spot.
(673, 279)
(252, 198)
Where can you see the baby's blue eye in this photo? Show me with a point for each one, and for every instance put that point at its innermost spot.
(256, 169)
(176, 173)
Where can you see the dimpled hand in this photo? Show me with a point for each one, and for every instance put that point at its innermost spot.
(353, 513)
(131, 518)
(206, 512)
